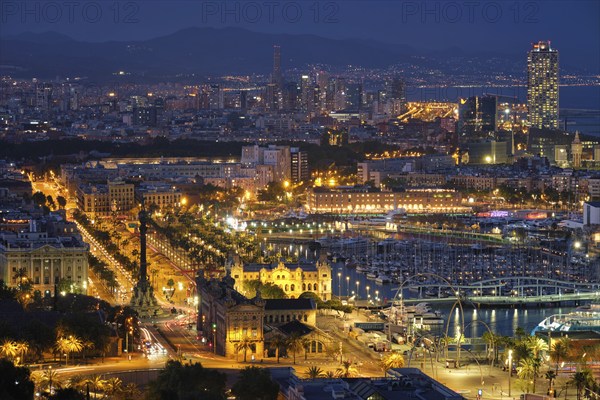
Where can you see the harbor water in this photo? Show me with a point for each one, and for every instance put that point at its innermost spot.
(502, 321)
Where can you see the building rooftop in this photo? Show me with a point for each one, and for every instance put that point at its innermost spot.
(295, 326)
(402, 383)
(309, 267)
(290, 304)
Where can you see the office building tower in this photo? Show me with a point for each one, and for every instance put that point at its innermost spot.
(277, 77)
(243, 100)
(477, 114)
(339, 99)
(542, 86)
(354, 96)
(299, 161)
(397, 95)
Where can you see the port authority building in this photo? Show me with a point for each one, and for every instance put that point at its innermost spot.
(227, 319)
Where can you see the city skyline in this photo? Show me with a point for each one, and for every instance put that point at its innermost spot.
(300, 200)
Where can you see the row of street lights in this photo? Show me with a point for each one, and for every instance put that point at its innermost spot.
(367, 287)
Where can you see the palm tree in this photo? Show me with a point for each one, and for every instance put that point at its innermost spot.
(112, 386)
(87, 345)
(306, 345)
(243, 345)
(9, 349)
(96, 382)
(69, 345)
(314, 372)
(491, 344)
(537, 345)
(130, 392)
(347, 370)
(329, 375)
(277, 342)
(77, 382)
(560, 351)
(526, 371)
(294, 344)
(48, 380)
(392, 360)
(22, 349)
(550, 376)
(582, 379)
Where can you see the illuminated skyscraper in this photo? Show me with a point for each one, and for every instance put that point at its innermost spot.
(542, 86)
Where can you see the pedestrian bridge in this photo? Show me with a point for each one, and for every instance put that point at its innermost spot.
(505, 291)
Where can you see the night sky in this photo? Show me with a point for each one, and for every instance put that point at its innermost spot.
(500, 27)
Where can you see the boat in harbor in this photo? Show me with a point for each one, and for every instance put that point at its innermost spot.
(382, 279)
(362, 268)
(372, 275)
(585, 319)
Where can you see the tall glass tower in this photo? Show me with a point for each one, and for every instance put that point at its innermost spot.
(542, 86)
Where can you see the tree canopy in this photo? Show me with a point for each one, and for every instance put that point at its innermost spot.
(179, 382)
(15, 382)
(255, 384)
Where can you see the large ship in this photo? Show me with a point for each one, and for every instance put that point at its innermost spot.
(585, 319)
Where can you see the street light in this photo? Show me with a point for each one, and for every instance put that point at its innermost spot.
(348, 286)
(339, 284)
(368, 291)
(214, 331)
(509, 370)
(357, 283)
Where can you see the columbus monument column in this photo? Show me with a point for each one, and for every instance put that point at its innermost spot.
(143, 300)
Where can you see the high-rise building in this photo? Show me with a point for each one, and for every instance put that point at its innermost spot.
(271, 97)
(542, 86)
(354, 94)
(299, 161)
(397, 95)
(216, 99)
(477, 114)
(277, 77)
(339, 97)
(306, 88)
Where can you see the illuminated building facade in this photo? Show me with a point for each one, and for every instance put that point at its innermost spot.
(101, 200)
(542, 86)
(161, 196)
(488, 152)
(359, 200)
(294, 279)
(299, 165)
(46, 259)
(226, 317)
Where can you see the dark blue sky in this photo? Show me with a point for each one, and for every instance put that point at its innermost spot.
(478, 25)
